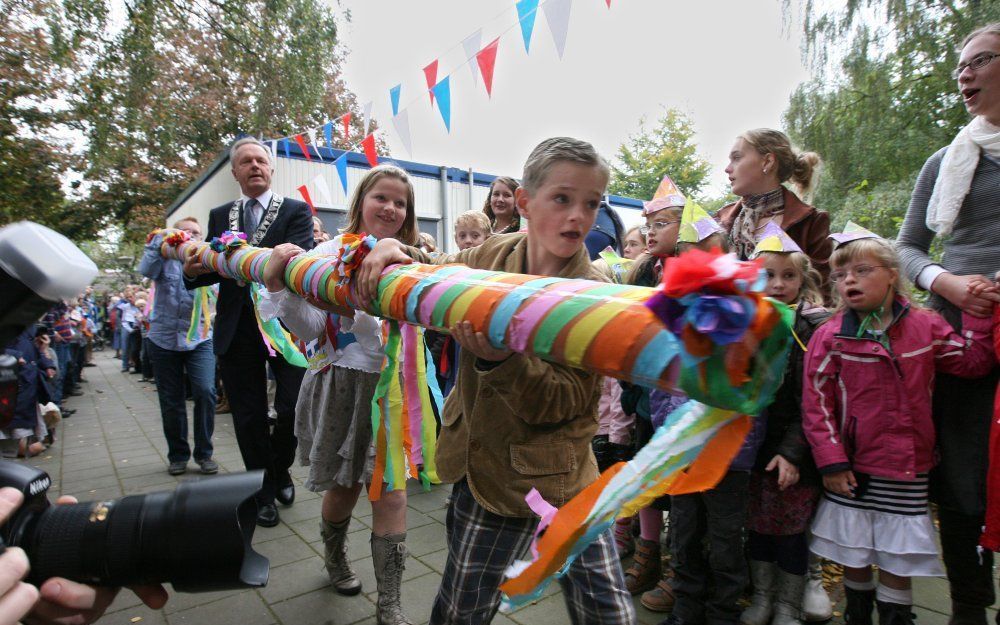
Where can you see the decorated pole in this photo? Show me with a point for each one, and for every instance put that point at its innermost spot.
(708, 331)
(610, 329)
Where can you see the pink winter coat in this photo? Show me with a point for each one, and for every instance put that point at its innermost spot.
(868, 409)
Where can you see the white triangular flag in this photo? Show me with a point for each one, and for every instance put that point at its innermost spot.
(322, 190)
(402, 124)
(557, 16)
(368, 116)
(274, 155)
(313, 144)
(471, 45)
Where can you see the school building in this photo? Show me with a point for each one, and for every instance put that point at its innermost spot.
(442, 192)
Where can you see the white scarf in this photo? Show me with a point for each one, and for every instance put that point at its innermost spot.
(957, 169)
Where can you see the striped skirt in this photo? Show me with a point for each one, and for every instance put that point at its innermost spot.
(887, 523)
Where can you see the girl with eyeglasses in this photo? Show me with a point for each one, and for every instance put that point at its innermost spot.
(866, 412)
(663, 219)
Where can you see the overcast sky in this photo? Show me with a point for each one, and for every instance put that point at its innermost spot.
(729, 63)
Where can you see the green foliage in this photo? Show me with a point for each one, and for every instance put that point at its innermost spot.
(666, 149)
(882, 99)
(157, 95)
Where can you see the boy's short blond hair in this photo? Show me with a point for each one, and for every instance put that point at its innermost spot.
(194, 220)
(559, 150)
(473, 219)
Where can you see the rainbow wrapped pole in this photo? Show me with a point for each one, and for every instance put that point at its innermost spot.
(708, 331)
(605, 328)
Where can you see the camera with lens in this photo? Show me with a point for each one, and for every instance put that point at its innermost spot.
(197, 538)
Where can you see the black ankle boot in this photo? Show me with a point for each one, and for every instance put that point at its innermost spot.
(895, 613)
(860, 604)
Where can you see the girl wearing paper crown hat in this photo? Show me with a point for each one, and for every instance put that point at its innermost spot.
(645, 575)
(699, 230)
(867, 416)
(760, 162)
(784, 483)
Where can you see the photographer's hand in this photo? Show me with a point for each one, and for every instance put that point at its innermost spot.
(16, 597)
(70, 603)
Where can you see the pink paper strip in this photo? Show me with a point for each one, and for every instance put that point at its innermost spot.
(528, 318)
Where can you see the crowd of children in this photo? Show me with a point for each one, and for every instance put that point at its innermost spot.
(835, 467)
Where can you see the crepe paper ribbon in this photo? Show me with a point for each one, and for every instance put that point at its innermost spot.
(228, 241)
(403, 409)
(544, 510)
(619, 265)
(690, 452)
(277, 339)
(204, 298)
(171, 237)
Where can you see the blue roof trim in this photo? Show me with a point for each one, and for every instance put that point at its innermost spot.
(360, 161)
(625, 202)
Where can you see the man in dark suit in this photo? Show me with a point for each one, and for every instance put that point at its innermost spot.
(268, 220)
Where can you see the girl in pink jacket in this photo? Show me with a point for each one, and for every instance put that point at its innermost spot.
(866, 413)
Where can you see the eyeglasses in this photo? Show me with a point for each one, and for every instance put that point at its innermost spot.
(861, 271)
(979, 62)
(657, 225)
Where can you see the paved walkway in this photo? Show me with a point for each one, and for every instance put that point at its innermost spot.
(113, 446)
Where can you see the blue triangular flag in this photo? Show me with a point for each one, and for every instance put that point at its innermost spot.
(341, 164)
(394, 96)
(526, 12)
(284, 144)
(442, 91)
(328, 131)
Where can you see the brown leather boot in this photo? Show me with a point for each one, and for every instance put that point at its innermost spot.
(646, 568)
(660, 598)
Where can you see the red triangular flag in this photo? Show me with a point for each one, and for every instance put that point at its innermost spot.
(369, 145)
(302, 145)
(430, 73)
(609, 3)
(487, 58)
(304, 191)
(346, 119)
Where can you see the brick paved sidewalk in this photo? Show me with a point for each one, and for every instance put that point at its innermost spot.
(113, 446)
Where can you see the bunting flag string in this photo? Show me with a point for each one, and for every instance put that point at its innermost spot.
(471, 46)
(323, 189)
(346, 119)
(527, 10)
(304, 192)
(367, 113)
(486, 59)
(369, 146)
(302, 146)
(341, 163)
(314, 143)
(557, 14)
(402, 124)
(443, 92)
(430, 74)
